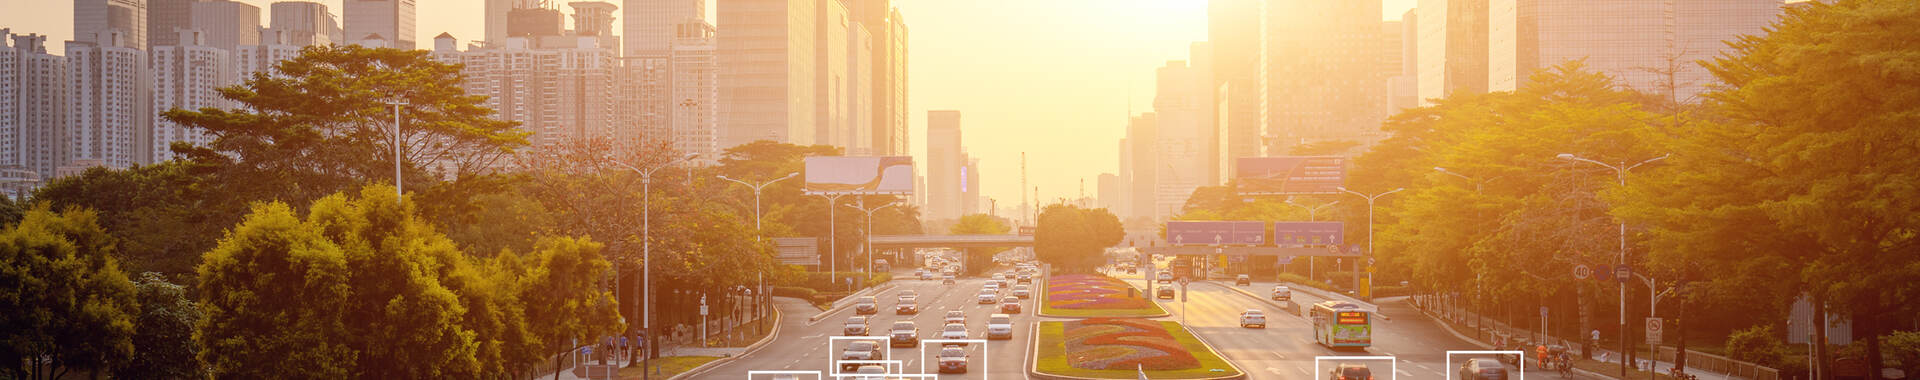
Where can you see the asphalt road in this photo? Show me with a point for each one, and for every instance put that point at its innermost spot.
(804, 346)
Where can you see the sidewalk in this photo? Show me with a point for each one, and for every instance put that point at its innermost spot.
(1472, 321)
(787, 306)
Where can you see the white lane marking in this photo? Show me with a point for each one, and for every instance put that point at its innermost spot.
(1278, 355)
(1303, 371)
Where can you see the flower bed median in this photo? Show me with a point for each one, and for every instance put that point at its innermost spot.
(1080, 295)
(1115, 348)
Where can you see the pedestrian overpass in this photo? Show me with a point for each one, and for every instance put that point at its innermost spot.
(950, 241)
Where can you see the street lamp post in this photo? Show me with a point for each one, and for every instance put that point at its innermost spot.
(756, 195)
(1620, 173)
(1356, 262)
(1477, 184)
(646, 255)
(869, 211)
(396, 143)
(833, 239)
(1312, 211)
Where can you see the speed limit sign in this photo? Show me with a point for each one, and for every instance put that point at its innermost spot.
(1581, 272)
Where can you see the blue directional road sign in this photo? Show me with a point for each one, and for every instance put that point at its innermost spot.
(1188, 232)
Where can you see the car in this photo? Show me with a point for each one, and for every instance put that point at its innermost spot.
(1006, 275)
(990, 287)
(907, 306)
(856, 325)
(909, 293)
(1165, 293)
(924, 275)
(1022, 292)
(946, 279)
(1282, 293)
(1242, 280)
(866, 305)
(999, 283)
(859, 350)
(987, 297)
(1010, 305)
(904, 334)
(999, 326)
(953, 360)
(874, 372)
(1165, 277)
(1025, 279)
(955, 316)
(1482, 369)
(1253, 318)
(954, 331)
(1351, 372)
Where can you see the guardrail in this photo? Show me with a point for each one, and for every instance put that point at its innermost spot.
(1719, 364)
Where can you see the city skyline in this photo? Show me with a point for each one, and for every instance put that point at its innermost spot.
(1051, 105)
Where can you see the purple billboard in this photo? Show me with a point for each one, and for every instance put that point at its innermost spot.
(1308, 233)
(1292, 175)
(1216, 232)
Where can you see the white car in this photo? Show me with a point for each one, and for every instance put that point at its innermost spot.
(988, 297)
(999, 326)
(956, 316)
(954, 331)
(1253, 318)
(1166, 277)
(990, 287)
(1021, 291)
(1282, 293)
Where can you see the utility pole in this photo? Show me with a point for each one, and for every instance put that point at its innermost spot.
(397, 103)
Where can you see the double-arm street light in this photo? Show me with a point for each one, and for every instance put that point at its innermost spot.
(1312, 211)
(646, 251)
(756, 196)
(1620, 173)
(1356, 262)
(869, 211)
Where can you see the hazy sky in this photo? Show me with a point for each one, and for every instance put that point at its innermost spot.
(1046, 77)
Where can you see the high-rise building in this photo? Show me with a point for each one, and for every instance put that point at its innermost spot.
(109, 107)
(970, 187)
(1319, 66)
(649, 26)
(769, 71)
(1123, 205)
(858, 127)
(187, 76)
(90, 17)
(1183, 142)
(830, 80)
(1233, 29)
(945, 162)
(303, 23)
(249, 59)
(696, 91)
(163, 16)
(1108, 193)
(562, 90)
(1453, 38)
(224, 24)
(389, 20)
(889, 75)
(1634, 41)
(1144, 162)
(1404, 85)
(33, 96)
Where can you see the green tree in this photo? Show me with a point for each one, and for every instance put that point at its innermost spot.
(162, 216)
(1075, 239)
(560, 286)
(68, 305)
(980, 259)
(164, 332)
(323, 117)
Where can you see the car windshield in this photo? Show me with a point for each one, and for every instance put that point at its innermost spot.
(1010, 300)
(955, 314)
(860, 346)
(953, 352)
(956, 327)
(857, 321)
(867, 299)
(903, 326)
(1001, 321)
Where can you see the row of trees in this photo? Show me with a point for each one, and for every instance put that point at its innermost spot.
(1795, 177)
(324, 272)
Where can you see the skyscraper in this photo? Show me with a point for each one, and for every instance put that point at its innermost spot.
(90, 17)
(33, 96)
(1108, 194)
(224, 24)
(163, 16)
(562, 90)
(1454, 34)
(1404, 85)
(1233, 29)
(1319, 69)
(695, 88)
(1144, 160)
(889, 74)
(303, 23)
(109, 108)
(945, 162)
(1183, 148)
(1633, 41)
(859, 92)
(830, 78)
(768, 71)
(186, 76)
(390, 20)
(649, 24)
(970, 187)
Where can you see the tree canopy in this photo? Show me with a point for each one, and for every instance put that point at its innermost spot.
(1074, 239)
(66, 300)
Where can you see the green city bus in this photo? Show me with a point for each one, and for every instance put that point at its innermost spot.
(1338, 324)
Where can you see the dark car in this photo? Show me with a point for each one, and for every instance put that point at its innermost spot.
(1482, 369)
(904, 334)
(856, 325)
(1165, 292)
(866, 305)
(953, 360)
(1351, 372)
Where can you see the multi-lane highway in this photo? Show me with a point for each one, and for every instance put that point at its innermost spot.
(1283, 350)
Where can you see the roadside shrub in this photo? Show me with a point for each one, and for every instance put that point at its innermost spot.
(1757, 344)
(795, 292)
